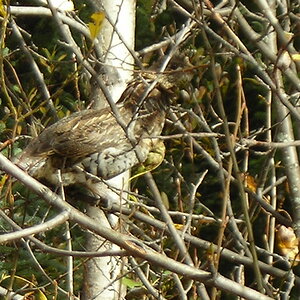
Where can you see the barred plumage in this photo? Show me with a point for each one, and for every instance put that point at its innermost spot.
(93, 141)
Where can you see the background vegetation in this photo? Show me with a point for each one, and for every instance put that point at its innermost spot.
(230, 177)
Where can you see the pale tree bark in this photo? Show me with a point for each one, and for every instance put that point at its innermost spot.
(101, 274)
(191, 275)
(284, 118)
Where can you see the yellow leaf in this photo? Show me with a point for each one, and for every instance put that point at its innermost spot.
(43, 110)
(20, 282)
(2, 9)
(296, 57)
(2, 182)
(250, 182)
(40, 295)
(95, 25)
(287, 242)
(19, 129)
(179, 226)
(289, 35)
(154, 159)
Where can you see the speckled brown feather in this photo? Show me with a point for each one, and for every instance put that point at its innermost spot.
(94, 141)
(71, 140)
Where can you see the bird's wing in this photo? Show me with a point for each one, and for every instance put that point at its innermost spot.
(81, 135)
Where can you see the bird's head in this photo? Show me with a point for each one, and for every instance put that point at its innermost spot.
(179, 72)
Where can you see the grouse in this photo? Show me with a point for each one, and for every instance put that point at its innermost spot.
(95, 142)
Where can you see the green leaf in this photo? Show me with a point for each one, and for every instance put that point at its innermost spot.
(131, 283)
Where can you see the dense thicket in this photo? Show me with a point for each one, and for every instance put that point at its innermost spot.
(230, 177)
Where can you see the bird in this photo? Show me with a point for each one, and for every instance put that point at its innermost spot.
(94, 143)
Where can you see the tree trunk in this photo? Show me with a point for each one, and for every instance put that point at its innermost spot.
(101, 274)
